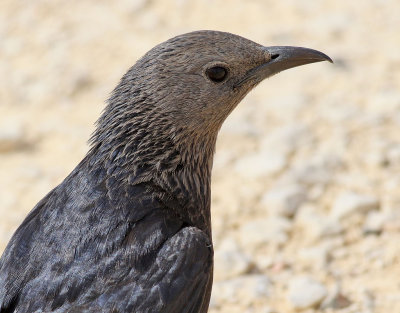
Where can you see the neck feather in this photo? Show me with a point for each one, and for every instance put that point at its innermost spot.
(146, 147)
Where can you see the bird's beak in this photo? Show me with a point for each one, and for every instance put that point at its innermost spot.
(283, 58)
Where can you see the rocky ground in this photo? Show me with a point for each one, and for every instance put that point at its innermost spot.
(306, 185)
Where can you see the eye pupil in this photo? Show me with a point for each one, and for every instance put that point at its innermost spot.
(216, 73)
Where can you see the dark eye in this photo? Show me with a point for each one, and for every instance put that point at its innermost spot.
(216, 73)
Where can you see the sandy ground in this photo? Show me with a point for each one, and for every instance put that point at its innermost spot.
(306, 201)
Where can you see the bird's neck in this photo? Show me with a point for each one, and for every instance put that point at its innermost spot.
(175, 166)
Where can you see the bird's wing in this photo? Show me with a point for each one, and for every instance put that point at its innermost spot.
(90, 249)
(177, 281)
(82, 218)
(10, 277)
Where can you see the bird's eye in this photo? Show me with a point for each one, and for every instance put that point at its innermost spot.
(217, 73)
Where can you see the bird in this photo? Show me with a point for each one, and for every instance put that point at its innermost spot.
(129, 229)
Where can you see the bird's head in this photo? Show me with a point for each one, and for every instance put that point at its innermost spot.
(162, 120)
(189, 84)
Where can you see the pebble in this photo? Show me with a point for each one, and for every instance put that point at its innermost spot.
(243, 289)
(237, 126)
(259, 232)
(316, 225)
(261, 164)
(317, 256)
(368, 300)
(284, 200)
(229, 261)
(287, 139)
(348, 203)
(78, 81)
(336, 300)
(133, 6)
(393, 155)
(11, 136)
(374, 222)
(317, 171)
(305, 292)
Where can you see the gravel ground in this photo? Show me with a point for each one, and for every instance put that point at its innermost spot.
(306, 201)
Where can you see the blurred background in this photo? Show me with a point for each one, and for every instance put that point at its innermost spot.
(306, 185)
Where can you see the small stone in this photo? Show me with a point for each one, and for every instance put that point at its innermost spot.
(238, 126)
(230, 261)
(376, 158)
(132, 6)
(11, 136)
(310, 175)
(349, 203)
(305, 292)
(319, 170)
(316, 225)
(268, 309)
(284, 200)
(368, 300)
(243, 289)
(287, 106)
(317, 256)
(336, 300)
(374, 223)
(393, 155)
(392, 224)
(287, 139)
(78, 81)
(261, 164)
(262, 231)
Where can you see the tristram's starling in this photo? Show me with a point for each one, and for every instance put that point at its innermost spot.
(129, 229)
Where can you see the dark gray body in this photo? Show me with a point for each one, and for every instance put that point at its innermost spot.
(94, 245)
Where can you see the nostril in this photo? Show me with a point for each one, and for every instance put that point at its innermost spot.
(274, 56)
